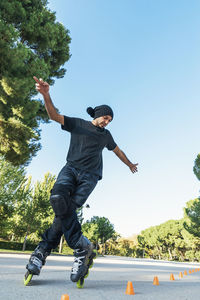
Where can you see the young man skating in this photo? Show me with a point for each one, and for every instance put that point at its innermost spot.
(75, 182)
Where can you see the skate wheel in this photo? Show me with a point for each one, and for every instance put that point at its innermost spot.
(27, 278)
(91, 266)
(80, 283)
(86, 276)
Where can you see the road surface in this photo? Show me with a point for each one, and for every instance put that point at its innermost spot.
(107, 280)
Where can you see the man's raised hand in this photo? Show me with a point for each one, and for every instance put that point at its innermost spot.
(41, 86)
(133, 168)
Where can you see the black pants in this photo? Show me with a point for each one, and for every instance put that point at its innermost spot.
(79, 184)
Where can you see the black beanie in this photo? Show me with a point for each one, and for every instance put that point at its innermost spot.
(99, 111)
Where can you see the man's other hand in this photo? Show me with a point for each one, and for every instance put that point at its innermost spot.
(133, 168)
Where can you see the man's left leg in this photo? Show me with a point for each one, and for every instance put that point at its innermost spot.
(50, 240)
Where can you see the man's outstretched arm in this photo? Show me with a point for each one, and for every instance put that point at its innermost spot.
(124, 159)
(43, 88)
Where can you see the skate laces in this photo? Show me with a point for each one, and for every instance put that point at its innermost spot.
(36, 261)
(37, 258)
(77, 263)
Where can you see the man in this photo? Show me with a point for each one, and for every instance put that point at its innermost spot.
(75, 182)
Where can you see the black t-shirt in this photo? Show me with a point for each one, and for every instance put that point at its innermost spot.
(86, 145)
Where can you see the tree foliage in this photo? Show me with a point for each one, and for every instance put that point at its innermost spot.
(196, 167)
(192, 217)
(11, 180)
(31, 43)
(33, 212)
(98, 229)
(169, 240)
(24, 208)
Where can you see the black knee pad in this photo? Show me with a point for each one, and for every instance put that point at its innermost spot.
(60, 205)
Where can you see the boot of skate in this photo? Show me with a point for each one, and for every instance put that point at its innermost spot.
(37, 260)
(83, 258)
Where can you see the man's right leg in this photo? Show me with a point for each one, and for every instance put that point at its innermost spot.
(51, 239)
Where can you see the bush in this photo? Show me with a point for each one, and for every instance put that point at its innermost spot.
(16, 246)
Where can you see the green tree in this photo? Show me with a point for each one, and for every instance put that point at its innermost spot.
(127, 248)
(90, 230)
(33, 213)
(150, 242)
(192, 246)
(196, 167)
(170, 240)
(192, 217)
(31, 43)
(98, 229)
(11, 180)
(171, 235)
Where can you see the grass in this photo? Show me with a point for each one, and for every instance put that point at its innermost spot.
(15, 248)
(15, 251)
(70, 252)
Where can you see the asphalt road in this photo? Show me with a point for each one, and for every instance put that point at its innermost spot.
(107, 280)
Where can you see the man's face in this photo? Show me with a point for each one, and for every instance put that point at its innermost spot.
(103, 121)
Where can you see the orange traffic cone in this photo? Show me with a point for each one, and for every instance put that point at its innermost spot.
(185, 272)
(172, 277)
(65, 297)
(181, 275)
(190, 272)
(155, 281)
(130, 289)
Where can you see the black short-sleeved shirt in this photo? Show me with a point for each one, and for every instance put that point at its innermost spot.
(86, 145)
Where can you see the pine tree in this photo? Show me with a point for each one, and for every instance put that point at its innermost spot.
(31, 43)
(196, 167)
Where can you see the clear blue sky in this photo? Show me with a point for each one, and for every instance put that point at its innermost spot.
(143, 59)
